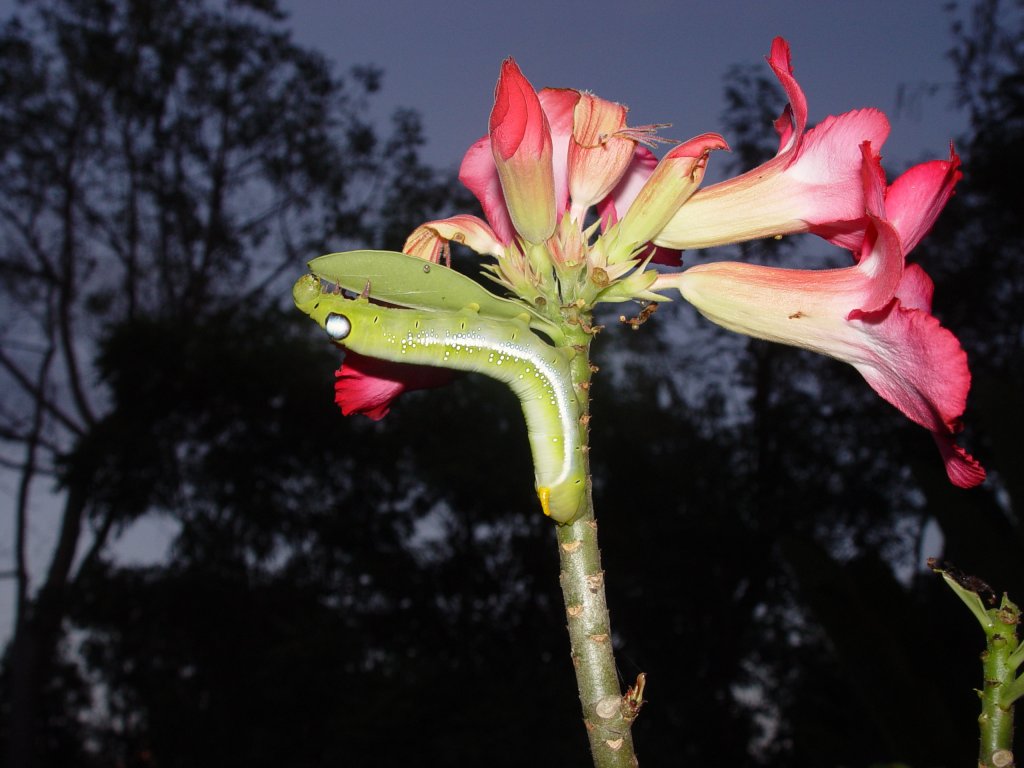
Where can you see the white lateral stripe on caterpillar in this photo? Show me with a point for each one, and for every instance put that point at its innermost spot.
(506, 350)
(561, 397)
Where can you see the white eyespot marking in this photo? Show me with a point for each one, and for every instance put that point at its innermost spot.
(337, 326)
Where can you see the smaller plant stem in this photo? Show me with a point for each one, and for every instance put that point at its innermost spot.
(1003, 655)
(997, 697)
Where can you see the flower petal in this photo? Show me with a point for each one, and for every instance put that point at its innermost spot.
(920, 367)
(429, 240)
(916, 198)
(963, 470)
(911, 204)
(559, 105)
(881, 259)
(813, 184)
(915, 289)
(668, 257)
(480, 175)
(633, 179)
(521, 148)
(672, 183)
(793, 121)
(811, 188)
(599, 151)
(367, 386)
(804, 308)
(854, 315)
(915, 364)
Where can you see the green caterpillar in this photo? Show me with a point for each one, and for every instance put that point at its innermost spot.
(506, 350)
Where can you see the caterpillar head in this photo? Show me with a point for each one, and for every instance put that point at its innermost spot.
(306, 292)
(331, 310)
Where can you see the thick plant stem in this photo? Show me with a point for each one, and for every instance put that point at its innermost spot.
(607, 715)
(1000, 665)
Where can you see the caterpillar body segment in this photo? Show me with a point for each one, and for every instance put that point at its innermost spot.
(504, 349)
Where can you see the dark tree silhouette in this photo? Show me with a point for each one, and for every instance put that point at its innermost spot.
(159, 162)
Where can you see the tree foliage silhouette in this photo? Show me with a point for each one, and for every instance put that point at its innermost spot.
(160, 162)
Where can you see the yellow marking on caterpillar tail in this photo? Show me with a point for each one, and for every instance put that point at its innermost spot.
(544, 494)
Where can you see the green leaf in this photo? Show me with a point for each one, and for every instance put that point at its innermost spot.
(971, 600)
(1011, 692)
(408, 281)
(1017, 658)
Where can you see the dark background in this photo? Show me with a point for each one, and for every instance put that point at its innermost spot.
(345, 592)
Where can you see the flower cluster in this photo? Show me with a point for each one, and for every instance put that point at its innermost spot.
(577, 208)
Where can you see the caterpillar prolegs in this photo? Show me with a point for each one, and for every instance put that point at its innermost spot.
(506, 350)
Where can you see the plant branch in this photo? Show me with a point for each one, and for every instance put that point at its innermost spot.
(28, 473)
(1012, 692)
(37, 394)
(1017, 657)
(71, 263)
(1000, 660)
(99, 540)
(996, 720)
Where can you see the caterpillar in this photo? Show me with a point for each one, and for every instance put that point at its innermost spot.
(504, 349)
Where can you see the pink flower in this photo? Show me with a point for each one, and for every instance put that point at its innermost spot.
(367, 385)
(811, 185)
(428, 241)
(589, 149)
(626, 191)
(521, 149)
(875, 315)
(600, 148)
(672, 182)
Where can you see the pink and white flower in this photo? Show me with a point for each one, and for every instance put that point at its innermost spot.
(875, 315)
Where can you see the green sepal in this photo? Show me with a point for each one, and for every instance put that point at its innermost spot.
(408, 281)
(631, 288)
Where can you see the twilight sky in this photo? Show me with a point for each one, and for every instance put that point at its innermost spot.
(665, 60)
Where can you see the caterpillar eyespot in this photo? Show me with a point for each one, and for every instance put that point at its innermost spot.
(506, 350)
(337, 326)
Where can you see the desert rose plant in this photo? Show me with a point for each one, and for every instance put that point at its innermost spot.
(580, 211)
